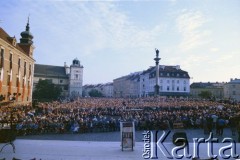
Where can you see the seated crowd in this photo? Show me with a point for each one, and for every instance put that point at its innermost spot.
(105, 114)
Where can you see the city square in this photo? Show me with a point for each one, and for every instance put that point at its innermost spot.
(119, 80)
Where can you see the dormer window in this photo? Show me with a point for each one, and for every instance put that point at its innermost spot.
(168, 74)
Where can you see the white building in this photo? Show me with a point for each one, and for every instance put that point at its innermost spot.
(106, 89)
(69, 79)
(172, 81)
(75, 79)
(232, 90)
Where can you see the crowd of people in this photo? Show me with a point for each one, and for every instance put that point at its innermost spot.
(105, 114)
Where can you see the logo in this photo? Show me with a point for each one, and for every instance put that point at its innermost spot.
(153, 146)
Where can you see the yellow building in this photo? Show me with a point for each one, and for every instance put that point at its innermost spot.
(16, 67)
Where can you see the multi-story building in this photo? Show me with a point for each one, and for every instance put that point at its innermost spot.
(69, 79)
(173, 81)
(106, 89)
(216, 89)
(127, 86)
(232, 90)
(16, 67)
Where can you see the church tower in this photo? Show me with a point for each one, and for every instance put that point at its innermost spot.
(75, 79)
(26, 42)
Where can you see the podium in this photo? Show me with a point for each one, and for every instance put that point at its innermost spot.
(127, 131)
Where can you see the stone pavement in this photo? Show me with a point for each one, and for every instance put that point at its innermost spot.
(91, 146)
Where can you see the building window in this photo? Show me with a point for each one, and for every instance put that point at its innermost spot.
(234, 93)
(143, 79)
(17, 79)
(161, 81)
(177, 74)
(25, 67)
(76, 76)
(61, 81)
(173, 81)
(167, 81)
(184, 82)
(168, 88)
(177, 81)
(19, 63)
(8, 80)
(233, 86)
(2, 58)
(10, 60)
(30, 70)
(173, 88)
(184, 88)
(177, 88)
(168, 74)
(161, 88)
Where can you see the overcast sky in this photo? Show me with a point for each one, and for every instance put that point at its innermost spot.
(112, 39)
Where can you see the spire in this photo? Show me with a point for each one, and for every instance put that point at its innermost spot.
(26, 35)
(27, 27)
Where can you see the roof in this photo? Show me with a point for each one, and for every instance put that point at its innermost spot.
(235, 80)
(167, 71)
(207, 85)
(41, 70)
(8, 39)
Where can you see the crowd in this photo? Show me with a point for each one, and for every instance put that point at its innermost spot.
(105, 114)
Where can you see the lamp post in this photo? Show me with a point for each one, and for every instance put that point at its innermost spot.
(157, 72)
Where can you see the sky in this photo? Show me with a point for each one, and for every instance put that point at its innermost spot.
(114, 38)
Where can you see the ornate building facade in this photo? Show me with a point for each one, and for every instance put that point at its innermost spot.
(16, 67)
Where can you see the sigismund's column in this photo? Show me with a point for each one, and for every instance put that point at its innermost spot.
(157, 72)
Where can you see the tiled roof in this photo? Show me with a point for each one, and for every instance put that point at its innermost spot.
(49, 71)
(8, 39)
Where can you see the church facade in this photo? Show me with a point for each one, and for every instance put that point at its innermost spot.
(69, 79)
(16, 67)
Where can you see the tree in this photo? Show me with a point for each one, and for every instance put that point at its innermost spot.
(95, 93)
(205, 94)
(45, 90)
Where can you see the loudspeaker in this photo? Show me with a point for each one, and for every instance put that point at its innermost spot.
(182, 138)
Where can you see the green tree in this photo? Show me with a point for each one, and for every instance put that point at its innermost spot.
(205, 94)
(95, 93)
(45, 90)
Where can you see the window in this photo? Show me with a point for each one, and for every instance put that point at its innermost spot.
(61, 81)
(184, 88)
(30, 70)
(10, 60)
(19, 63)
(8, 80)
(25, 66)
(233, 86)
(173, 88)
(2, 58)
(17, 79)
(177, 88)
(161, 81)
(167, 81)
(178, 75)
(168, 74)
(76, 76)
(184, 82)
(143, 79)
(173, 81)
(234, 93)
(168, 88)
(177, 81)
(160, 88)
